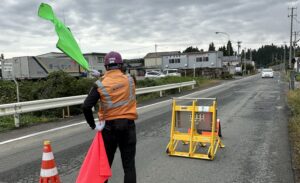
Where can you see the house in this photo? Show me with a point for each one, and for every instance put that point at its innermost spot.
(36, 67)
(231, 60)
(95, 59)
(210, 59)
(30, 67)
(154, 60)
(232, 63)
(135, 66)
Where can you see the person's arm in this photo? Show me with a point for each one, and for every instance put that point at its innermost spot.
(90, 101)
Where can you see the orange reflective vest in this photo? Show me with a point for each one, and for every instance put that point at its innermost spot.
(117, 96)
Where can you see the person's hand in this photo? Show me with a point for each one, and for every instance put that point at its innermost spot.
(95, 73)
(100, 125)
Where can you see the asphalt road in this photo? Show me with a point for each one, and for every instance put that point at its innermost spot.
(253, 114)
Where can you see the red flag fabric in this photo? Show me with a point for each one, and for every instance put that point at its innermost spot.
(95, 167)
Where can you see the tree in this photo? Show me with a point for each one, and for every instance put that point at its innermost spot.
(211, 47)
(191, 49)
(229, 48)
(223, 49)
(2, 56)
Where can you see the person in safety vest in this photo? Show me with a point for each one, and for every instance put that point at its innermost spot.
(116, 93)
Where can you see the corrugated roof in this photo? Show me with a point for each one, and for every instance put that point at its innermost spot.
(60, 54)
(160, 54)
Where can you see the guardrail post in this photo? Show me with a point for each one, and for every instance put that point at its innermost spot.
(68, 109)
(193, 86)
(17, 120)
(68, 112)
(160, 93)
(63, 112)
(179, 89)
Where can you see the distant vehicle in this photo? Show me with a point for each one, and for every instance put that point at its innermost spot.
(154, 74)
(171, 72)
(238, 69)
(267, 73)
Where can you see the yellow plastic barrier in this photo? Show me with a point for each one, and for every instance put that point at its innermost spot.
(195, 126)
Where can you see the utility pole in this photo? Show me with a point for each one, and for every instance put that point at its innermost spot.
(292, 15)
(239, 46)
(245, 58)
(155, 46)
(284, 62)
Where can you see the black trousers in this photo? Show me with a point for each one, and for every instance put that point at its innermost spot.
(121, 133)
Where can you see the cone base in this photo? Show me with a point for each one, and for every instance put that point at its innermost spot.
(54, 179)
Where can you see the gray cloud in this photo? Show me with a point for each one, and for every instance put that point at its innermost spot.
(136, 25)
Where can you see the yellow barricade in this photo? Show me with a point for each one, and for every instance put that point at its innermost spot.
(194, 128)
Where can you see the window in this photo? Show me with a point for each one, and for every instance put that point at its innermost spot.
(199, 59)
(174, 61)
(205, 59)
(100, 59)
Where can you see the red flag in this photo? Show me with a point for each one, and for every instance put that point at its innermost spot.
(95, 167)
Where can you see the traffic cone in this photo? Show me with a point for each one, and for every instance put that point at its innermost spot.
(49, 173)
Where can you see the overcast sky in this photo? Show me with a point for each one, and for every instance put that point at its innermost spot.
(133, 27)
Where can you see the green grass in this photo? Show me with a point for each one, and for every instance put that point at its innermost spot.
(7, 122)
(294, 129)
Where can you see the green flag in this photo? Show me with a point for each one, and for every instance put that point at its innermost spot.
(66, 42)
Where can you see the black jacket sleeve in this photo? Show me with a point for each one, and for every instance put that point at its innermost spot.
(90, 101)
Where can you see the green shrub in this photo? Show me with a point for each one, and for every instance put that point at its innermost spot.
(7, 92)
(226, 75)
(298, 77)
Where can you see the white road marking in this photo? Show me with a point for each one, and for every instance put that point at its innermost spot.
(83, 122)
(41, 132)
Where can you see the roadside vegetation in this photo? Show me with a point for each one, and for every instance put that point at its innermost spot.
(294, 130)
(60, 84)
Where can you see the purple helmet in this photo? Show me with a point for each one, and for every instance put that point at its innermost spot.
(113, 58)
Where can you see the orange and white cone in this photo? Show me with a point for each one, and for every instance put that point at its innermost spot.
(49, 171)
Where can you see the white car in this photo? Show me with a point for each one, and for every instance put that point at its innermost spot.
(171, 72)
(267, 73)
(154, 74)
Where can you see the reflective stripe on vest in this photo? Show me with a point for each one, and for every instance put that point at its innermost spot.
(110, 104)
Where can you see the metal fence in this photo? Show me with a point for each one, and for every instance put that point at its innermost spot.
(38, 105)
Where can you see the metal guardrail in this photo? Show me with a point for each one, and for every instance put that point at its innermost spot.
(37, 105)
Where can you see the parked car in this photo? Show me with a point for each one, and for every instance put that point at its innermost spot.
(171, 72)
(267, 73)
(154, 74)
